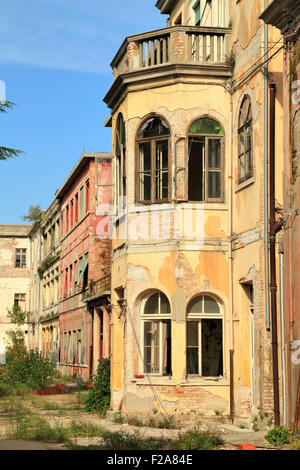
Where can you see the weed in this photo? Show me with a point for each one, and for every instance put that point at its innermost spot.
(166, 422)
(278, 436)
(122, 441)
(195, 439)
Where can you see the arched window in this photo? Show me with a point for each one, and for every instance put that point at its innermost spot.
(205, 161)
(153, 161)
(156, 321)
(204, 337)
(120, 162)
(245, 162)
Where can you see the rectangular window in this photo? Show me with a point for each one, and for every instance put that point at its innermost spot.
(76, 271)
(205, 169)
(205, 347)
(87, 196)
(67, 218)
(157, 347)
(72, 213)
(81, 202)
(76, 208)
(161, 170)
(144, 171)
(197, 13)
(21, 257)
(20, 300)
(70, 278)
(66, 283)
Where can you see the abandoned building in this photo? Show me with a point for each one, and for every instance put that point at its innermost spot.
(14, 277)
(176, 255)
(190, 120)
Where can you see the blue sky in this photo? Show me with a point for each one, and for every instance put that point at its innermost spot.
(55, 61)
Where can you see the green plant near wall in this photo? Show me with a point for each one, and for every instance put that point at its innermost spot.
(46, 265)
(278, 436)
(98, 399)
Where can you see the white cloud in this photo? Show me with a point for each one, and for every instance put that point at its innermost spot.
(69, 34)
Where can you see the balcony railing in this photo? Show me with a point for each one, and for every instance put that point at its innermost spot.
(97, 288)
(173, 45)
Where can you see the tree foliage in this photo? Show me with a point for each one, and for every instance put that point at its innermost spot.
(35, 214)
(6, 152)
(99, 395)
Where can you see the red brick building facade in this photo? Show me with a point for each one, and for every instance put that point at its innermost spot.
(84, 263)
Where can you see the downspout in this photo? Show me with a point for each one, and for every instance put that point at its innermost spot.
(282, 330)
(231, 351)
(91, 343)
(274, 228)
(266, 179)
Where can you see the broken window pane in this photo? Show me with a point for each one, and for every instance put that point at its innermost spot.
(212, 348)
(154, 127)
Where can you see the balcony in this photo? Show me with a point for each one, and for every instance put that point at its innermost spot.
(179, 50)
(97, 289)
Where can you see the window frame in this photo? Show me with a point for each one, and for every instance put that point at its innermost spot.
(152, 141)
(221, 170)
(197, 318)
(242, 129)
(20, 257)
(160, 319)
(120, 163)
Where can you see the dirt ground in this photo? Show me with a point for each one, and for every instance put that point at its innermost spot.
(62, 410)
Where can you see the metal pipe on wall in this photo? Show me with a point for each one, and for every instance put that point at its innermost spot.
(266, 176)
(282, 330)
(272, 237)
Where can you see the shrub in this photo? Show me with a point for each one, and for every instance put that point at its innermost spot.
(278, 436)
(25, 371)
(99, 395)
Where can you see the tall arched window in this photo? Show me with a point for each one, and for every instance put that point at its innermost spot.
(120, 162)
(153, 161)
(156, 321)
(245, 161)
(204, 337)
(205, 161)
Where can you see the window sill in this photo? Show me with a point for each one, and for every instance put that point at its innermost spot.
(171, 205)
(154, 380)
(244, 184)
(206, 381)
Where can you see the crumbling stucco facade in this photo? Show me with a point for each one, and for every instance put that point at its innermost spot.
(173, 247)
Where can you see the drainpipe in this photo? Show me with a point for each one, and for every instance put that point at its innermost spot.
(266, 150)
(231, 351)
(274, 228)
(282, 329)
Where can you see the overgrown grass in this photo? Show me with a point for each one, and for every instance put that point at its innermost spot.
(195, 439)
(27, 425)
(165, 422)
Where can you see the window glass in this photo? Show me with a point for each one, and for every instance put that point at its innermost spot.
(154, 127)
(192, 347)
(205, 126)
(212, 348)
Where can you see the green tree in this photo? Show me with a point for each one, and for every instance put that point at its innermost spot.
(5, 152)
(34, 214)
